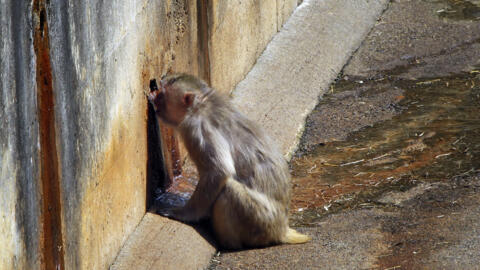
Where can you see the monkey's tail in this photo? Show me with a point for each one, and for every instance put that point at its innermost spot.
(294, 237)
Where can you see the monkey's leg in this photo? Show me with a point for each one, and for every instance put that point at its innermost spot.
(244, 217)
(225, 223)
(201, 202)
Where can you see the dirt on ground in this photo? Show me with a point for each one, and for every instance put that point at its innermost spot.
(387, 175)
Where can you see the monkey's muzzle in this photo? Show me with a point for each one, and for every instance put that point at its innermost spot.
(154, 91)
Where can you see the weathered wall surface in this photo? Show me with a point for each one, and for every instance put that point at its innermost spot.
(95, 61)
(103, 56)
(19, 161)
(238, 34)
(73, 143)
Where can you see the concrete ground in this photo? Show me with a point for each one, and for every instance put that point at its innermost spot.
(387, 175)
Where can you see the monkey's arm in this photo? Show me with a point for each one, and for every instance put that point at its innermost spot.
(199, 205)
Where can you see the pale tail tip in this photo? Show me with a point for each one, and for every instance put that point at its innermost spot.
(294, 237)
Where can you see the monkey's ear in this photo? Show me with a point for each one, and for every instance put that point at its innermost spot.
(188, 99)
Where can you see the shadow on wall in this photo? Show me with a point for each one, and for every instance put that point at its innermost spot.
(156, 176)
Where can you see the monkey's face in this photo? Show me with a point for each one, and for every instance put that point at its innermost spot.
(171, 102)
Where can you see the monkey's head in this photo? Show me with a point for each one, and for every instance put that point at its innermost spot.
(176, 96)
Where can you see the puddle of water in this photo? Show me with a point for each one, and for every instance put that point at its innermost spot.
(179, 192)
(436, 137)
(459, 9)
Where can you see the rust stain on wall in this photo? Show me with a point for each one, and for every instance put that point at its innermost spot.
(51, 238)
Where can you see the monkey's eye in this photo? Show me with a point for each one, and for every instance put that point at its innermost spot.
(172, 81)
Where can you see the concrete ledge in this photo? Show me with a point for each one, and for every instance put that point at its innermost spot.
(300, 62)
(282, 88)
(161, 243)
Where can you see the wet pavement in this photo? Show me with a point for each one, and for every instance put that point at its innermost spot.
(433, 136)
(387, 175)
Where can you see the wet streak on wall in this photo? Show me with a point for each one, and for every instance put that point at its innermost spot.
(171, 153)
(179, 53)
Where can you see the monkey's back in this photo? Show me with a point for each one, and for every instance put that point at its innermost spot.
(240, 147)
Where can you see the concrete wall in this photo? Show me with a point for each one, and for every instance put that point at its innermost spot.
(239, 32)
(73, 143)
(103, 55)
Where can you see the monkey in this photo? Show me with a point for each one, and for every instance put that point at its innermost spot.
(244, 181)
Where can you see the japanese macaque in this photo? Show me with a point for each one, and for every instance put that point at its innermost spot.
(244, 182)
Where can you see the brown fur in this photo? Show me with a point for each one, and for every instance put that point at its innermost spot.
(244, 184)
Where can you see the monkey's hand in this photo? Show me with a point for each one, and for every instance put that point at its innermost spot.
(178, 214)
(166, 212)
